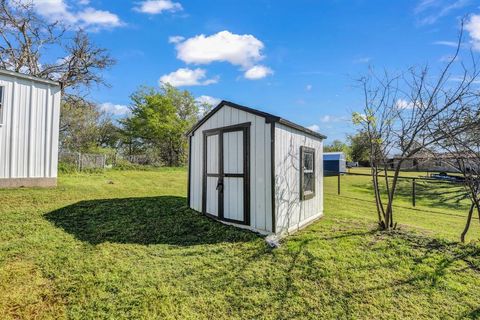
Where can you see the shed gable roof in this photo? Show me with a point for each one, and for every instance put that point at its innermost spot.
(269, 118)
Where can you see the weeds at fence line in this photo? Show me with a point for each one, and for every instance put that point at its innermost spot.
(78, 161)
(70, 162)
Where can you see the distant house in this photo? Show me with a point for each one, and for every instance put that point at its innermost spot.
(334, 163)
(434, 161)
(255, 170)
(29, 126)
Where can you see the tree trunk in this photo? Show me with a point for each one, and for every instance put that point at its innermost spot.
(391, 194)
(467, 225)
(378, 198)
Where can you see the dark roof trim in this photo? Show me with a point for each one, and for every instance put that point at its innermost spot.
(269, 118)
(301, 128)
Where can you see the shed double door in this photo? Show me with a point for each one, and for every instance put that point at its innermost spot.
(226, 173)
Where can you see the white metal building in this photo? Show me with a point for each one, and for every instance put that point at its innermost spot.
(255, 170)
(29, 124)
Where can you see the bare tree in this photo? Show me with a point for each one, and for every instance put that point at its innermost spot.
(405, 114)
(464, 155)
(25, 37)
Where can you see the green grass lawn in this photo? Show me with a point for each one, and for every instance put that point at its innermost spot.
(123, 245)
(440, 211)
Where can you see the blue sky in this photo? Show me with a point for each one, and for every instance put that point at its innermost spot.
(297, 59)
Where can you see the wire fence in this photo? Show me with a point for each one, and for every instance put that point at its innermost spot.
(83, 161)
(143, 159)
(79, 161)
(431, 190)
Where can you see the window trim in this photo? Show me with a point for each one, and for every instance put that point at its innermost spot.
(2, 105)
(306, 195)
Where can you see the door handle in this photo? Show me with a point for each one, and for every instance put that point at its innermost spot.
(220, 185)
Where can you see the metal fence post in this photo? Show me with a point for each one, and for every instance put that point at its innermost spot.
(338, 183)
(413, 192)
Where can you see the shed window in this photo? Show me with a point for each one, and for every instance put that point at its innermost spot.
(307, 175)
(1, 104)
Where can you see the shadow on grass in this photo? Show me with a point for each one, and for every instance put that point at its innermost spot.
(153, 220)
(440, 255)
(423, 209)
(435, 194)
(474, 314)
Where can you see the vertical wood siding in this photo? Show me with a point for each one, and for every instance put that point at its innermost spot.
(29, 129)
(260, 187)
(291, 213)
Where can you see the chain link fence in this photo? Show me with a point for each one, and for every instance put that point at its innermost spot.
(78, 161)
(82, 161)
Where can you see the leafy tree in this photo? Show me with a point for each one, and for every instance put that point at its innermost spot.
(84, 128)
(358, 147)
(338, 146)
(204, 108)
(109, 135)
(78, 125)
(159, 119)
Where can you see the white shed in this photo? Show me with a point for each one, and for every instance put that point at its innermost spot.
(29, 124)
(255, 170)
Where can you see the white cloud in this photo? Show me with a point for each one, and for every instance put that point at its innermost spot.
(257, 72)
(403, 104)
(308, 87)
(98, 18)
(429, 11)
(52, 9)
(326, 118)
(362, 60)
(242, 50)
(424, 5)
(208, 100)
(75, 15)
(187, 77)
(115, 109)
(330, 118)
(463, 79)
(158, 6)
(175, 39)
(448, 58)
(473, 28)
(446, 43)
(314, 127)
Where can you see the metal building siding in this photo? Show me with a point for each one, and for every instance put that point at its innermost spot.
(331, 167)
(29, 128)
(334, 162)
(260, 173)
(291, 213)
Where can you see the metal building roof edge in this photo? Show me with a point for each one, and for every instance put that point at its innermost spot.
(28, 77)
